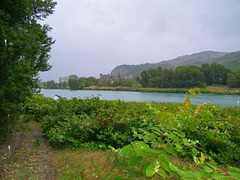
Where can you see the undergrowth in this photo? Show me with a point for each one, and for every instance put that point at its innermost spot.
(146, 136)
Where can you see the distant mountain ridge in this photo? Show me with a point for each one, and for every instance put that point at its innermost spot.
(230, 60)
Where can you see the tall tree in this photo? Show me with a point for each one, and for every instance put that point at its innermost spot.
(218, 74)
(144, 78)
(155, 81)
(206, 69)
(90, 81)
(50, 85)
(155, 77)
(74, 76)
(73, 84)
(181, 77)
(24, 51)
(154, 72)
(189, 76)
(196, 77)
(233, 79)
(167, 78)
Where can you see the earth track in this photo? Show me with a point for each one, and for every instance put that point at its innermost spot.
(27, 156)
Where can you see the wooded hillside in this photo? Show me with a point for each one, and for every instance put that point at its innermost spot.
(230, 60)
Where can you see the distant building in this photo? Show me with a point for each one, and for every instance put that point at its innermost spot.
(63, 79)
(130, 77)
(108, 77)
(60, 79)
(105, 77)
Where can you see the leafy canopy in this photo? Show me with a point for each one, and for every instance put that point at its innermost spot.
(24, 51)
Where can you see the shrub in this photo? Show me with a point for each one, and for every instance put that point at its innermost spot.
(37, 107)
(204, 133)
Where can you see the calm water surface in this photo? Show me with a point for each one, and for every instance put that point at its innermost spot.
(224, 100)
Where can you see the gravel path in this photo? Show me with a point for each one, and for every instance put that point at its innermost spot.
(27, 156)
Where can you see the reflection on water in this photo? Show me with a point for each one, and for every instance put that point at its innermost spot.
(225, 100)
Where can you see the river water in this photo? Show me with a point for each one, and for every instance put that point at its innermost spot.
(215, 99)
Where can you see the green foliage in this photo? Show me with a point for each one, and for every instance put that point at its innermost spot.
(78, 121)
(233, 79)
(215, 73)
(234, 173)
(188, 76)
(37, 107)
(218, 74)
(148, 135)
(229, 60)
(50, 85)
(206, 69)
(167, 77)
(203, 133)
(144, 78)
(183, 76)
(24, 51)
(73, 84)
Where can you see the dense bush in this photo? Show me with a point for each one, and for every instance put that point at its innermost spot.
(37, 107)
(78, 121)
(205, 134)
(181, 129)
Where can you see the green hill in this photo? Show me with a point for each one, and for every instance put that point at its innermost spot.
(230, 60)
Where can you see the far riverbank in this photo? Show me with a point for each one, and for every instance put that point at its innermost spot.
(206, 90)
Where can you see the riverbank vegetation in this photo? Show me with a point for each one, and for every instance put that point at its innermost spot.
(159, 80)
(206, 90)
(146, 138)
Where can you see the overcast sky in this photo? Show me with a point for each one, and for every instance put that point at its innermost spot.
(95, 36)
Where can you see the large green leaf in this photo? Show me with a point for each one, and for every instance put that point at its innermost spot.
(140, 148)
(234, 173)
(194, 152)
(162, 173)
(165, 165)
(192, 92)
(185, 142)
(164, 157)
(177, 169)
(146, 138)
(207, 169)
(150, 171)
(126, 151)
(179, 147)
(135, 161)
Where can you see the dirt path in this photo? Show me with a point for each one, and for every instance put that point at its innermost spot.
(27, 156)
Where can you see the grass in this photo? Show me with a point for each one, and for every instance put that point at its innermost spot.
(221, 89)
(96, 164)
(102, 165)
(34, 124)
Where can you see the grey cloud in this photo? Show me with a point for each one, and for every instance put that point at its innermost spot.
(94, 36)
